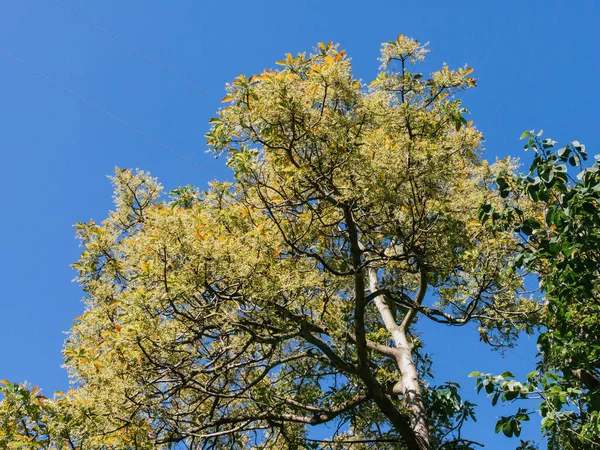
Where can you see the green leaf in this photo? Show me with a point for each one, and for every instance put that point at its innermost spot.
(516, 427)
(499, 425)
(525, 134)
(574, 160)
(589, 207)
(564, 153)
(507, 428)
(511, 395)
(495, 398)
(550, 217)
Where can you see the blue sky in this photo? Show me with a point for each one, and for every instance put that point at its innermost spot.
(536, 61)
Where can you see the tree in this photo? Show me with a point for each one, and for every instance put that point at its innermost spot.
(563, 249)
(291, 297)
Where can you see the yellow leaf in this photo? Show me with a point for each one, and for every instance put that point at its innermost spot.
(199, 233)
(255, 78)
(337, 57)
(5, 382)
(226, 99)
(469, 123)
(117, 327)
(322, 46)
(468, 71)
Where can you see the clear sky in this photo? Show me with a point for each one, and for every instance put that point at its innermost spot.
(537, 63)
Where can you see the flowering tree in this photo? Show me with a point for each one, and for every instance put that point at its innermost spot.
(247, 314)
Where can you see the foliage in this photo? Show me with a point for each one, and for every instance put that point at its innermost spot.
(290, 298)
(563, 248)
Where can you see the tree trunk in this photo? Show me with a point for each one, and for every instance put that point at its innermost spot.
(408, 371)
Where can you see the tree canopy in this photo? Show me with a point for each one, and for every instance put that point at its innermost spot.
(245, 315)
(562, 248)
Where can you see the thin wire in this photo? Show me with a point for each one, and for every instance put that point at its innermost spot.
(99, 108)
(136, 50)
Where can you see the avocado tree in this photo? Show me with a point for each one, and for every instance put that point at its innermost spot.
(562, 248)
(247, 314)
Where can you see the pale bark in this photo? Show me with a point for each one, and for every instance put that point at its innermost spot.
(409, 381)
(376, 391)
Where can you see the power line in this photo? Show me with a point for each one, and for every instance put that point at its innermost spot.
(136, 50)
(104, 111)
